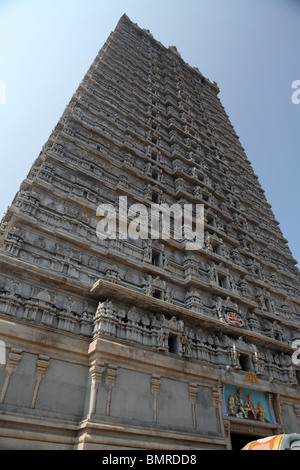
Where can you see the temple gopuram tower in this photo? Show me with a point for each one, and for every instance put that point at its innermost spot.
(123, 343)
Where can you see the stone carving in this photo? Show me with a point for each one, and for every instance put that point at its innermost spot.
(131, 134)
(112, 274)
(14, 240)
(151, 284)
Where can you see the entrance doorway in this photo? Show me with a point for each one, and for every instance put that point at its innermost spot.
(238, 441)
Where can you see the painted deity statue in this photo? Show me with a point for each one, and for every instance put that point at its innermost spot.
(245, 408)
(242, 406)
(231, 405)
(261, 412)
(252, 408)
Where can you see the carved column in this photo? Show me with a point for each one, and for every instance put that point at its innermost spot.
(155, 385)
(193, 390)
(111, 375)
(227, 434)
(297, 412)
(13, 359)
(42, 364)
(279, 409)
(96, 370)
(217, 394)
(276, 410)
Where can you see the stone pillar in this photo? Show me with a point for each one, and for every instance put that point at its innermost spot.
(193, 390)
(111, 375)
(155, 385)
(42, 365)
(279, 411)
(297, 412)
(13, 359)
(227, 434)
(96, 370)
(217, 394)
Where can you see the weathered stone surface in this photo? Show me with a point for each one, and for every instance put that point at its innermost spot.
(123, 343)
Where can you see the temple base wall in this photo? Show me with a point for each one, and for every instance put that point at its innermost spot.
(59, 391)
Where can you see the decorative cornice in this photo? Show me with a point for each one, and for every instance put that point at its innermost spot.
(103, 290)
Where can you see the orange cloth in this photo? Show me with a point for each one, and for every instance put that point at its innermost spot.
(267, 443)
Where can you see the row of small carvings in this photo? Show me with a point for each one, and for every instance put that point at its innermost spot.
(110, 103)
(138, 135)
(66, 151)
(37, 249)
(182, 187)
(216, 110)
(193, 172)
(47, 172)
(100, 101)
(197, 136)
(201, 120)
(136, 56)
(199, 175)
(152, 53)
(280, 325)
(67, 180)
(141, 55)
(54, 212)
(191, 95)
(44, 208)
(49, 308)
(49, 211)
(140, 100)
(45, 252)
(43, 306)
(62, 258)
(158, 91)
(116, 104)
(141, 43)
(115, 122)
(139, 65)
(182, 133)
(178, 165)
(259, 235)
(174, 336)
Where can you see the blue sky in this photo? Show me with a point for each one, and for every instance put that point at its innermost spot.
(249, 47)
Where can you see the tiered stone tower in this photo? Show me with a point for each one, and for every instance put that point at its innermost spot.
(130, 344)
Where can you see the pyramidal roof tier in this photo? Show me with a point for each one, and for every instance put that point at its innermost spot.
(94, 283)
(148, 36)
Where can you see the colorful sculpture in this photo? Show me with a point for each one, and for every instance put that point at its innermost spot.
(231, 405)
(234, 318)
(240, 407)
(277, 442)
